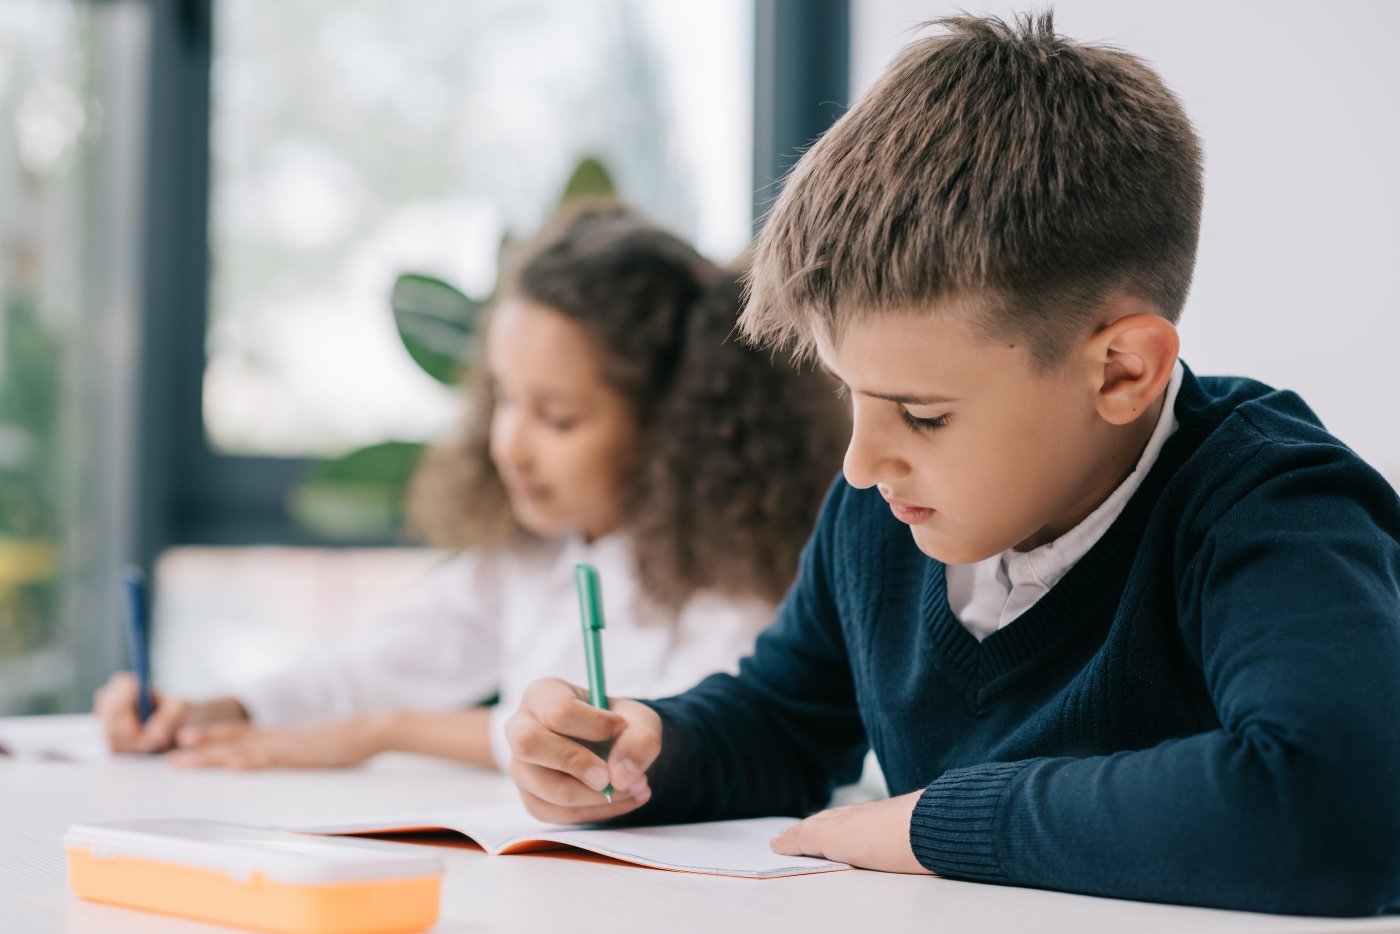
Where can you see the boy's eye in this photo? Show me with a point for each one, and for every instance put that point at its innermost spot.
(922, 424)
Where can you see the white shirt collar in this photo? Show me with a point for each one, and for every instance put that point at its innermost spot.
(990, 594)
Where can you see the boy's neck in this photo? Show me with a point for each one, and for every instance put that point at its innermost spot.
(1120, 458)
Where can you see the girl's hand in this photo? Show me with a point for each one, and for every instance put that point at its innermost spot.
(242, 746)
(116, 708)
(870, 835)
(561, 780)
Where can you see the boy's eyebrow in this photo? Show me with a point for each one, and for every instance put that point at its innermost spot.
(901, 398)
(906, 400)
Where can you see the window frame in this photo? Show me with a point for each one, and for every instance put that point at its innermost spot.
(189, 494)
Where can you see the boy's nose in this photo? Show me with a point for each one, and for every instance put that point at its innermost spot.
(868, 462)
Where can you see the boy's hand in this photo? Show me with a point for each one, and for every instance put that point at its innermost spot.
(871, 835)
(560, 779)
(242, 746)
(116, 707)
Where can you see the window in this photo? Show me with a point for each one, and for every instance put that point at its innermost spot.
(68, 115)
(418, 135)
(204, 202)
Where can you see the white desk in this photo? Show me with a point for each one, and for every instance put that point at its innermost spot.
(535, 893)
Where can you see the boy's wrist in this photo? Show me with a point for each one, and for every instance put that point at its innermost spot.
(955, 822)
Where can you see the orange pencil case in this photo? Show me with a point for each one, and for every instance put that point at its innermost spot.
(268, 880)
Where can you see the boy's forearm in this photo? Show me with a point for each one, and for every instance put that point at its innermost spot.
(464, 735)
(1232, 821)
(724, 755)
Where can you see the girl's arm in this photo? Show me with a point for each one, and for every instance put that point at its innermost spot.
(436, 648)
(463, 735)
(234, 744)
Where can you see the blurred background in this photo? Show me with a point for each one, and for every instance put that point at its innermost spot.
(205, 206)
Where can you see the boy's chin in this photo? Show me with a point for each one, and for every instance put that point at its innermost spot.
(941, 549)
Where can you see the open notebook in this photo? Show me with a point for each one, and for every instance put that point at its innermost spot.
(720, 848)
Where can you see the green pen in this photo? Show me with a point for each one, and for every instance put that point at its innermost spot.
(590, 608)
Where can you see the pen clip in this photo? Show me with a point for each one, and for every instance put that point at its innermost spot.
(590, 596)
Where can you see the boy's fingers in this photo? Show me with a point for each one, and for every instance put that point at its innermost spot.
(556, 814)
(633, 753)
(557, 788)
(581, 720)
(532, 744)
(564, 708)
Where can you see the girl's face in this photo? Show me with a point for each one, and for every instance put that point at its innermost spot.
(561, 438)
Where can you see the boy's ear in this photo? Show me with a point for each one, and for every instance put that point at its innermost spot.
(1132, 359)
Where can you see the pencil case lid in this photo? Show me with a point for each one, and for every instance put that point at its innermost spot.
(243, 852)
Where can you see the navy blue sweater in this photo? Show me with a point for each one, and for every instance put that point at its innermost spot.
(1204, 710)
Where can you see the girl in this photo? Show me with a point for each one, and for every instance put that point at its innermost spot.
(616, 423)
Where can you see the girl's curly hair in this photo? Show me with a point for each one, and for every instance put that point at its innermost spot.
(738, 448)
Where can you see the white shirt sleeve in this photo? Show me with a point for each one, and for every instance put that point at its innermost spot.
(436, 648)
(713, 632)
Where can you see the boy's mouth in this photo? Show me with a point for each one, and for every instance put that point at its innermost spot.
(908, 513)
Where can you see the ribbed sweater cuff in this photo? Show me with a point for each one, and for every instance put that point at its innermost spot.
(672, 777)
(953, 830)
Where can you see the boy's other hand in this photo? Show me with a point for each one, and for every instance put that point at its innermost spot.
(870, 835)
(115, 704)
(561, 780)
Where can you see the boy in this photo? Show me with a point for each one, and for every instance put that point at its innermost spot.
(1144, 639)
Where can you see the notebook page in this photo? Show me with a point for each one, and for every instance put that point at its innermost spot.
(719, 848)
(726, 848)
(491, 827)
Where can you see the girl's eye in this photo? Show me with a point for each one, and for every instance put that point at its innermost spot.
(561, 424)
(922, 424)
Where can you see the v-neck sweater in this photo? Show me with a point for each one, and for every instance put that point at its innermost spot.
(1204, 710)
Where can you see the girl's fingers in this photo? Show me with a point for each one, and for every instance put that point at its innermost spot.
(159, 731)
(115, 706)
(194, 736)
(235, 755)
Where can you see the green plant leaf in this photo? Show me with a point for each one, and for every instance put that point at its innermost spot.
(359, 495)
(436, 323)
(588, 180)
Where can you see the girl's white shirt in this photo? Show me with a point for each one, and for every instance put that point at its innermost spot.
(489, 623)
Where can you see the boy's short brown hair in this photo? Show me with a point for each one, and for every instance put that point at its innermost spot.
(998, 164)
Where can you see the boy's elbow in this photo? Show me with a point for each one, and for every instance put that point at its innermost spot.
(1357, 856)
(1329, 843)
(1350, 836)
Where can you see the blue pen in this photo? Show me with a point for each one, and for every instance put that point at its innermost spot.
(138, 642)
